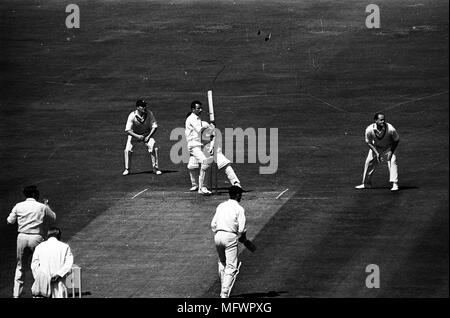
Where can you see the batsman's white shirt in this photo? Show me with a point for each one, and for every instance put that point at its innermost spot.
(229, 217)
(382, 140)
(141, 125)
(193, 130)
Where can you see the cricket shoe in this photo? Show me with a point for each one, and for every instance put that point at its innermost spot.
(364, 186)
(237, 184)
(158, 172)
(193, 188)
(394, 186)
(204, 191)
(126, 172)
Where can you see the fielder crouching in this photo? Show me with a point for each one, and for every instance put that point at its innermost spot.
(141, 127)
(228, 224)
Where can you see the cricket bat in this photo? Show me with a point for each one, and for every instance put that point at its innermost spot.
(211, 107)
(212, 120)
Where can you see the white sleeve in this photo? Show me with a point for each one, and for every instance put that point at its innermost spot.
(129, 125)
(214, 223)
(368, 135)
(205, 124)
(241, 221)
(12, 216)
(394, 134)
(153, 120)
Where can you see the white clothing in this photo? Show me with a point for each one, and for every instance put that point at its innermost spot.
(193, 130)
(53, 257)
(33, 219)
(382, 140)
(141, 125)
(228, 223)
(229, 217)
(31, 216)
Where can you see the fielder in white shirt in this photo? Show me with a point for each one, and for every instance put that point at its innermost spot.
(54, 259)
(228, 224)
(193, 132)
(33, 219)
(382, 139)
(141, 126)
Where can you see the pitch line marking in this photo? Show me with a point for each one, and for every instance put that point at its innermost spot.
(139, 193)
(281, 194)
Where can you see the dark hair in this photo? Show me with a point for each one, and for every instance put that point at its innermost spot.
(54, 232)
(141, 103)
(195, 102)
(31, 191)
(234, 191)
(375, 117)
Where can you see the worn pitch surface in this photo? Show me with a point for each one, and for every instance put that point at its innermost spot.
(65, 95)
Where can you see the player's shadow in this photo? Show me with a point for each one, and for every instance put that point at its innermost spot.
(225, 190)
(86, 293)
(400, 188)
(269, 294)
(151, 172)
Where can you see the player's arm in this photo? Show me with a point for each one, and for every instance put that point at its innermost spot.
(395, 141)
(241, 223)
(133, 134)
(214, 223)
(369, 142)
(154, 127)
(12, 216)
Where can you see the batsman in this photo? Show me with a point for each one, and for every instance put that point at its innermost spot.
(211, 153)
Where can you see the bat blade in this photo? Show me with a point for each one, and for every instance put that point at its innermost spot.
(211, 106)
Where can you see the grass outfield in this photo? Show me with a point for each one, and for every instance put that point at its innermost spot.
(66, 93)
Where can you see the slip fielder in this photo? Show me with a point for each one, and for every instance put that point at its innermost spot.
(141, 126)
(382, 139)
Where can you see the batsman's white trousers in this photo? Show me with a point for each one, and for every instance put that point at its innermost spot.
(222, 161)
(371, 164)
(227, 249)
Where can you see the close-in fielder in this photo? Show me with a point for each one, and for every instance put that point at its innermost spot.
(141, 126)
(382, 139)
(223, 164)
(193, 131)
(229, 226)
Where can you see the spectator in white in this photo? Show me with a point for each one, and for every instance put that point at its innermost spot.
(228, 224)
(52, 259)
(33, 218)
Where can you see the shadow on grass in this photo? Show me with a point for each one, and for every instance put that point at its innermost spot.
(151, 172)
(271, 294)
